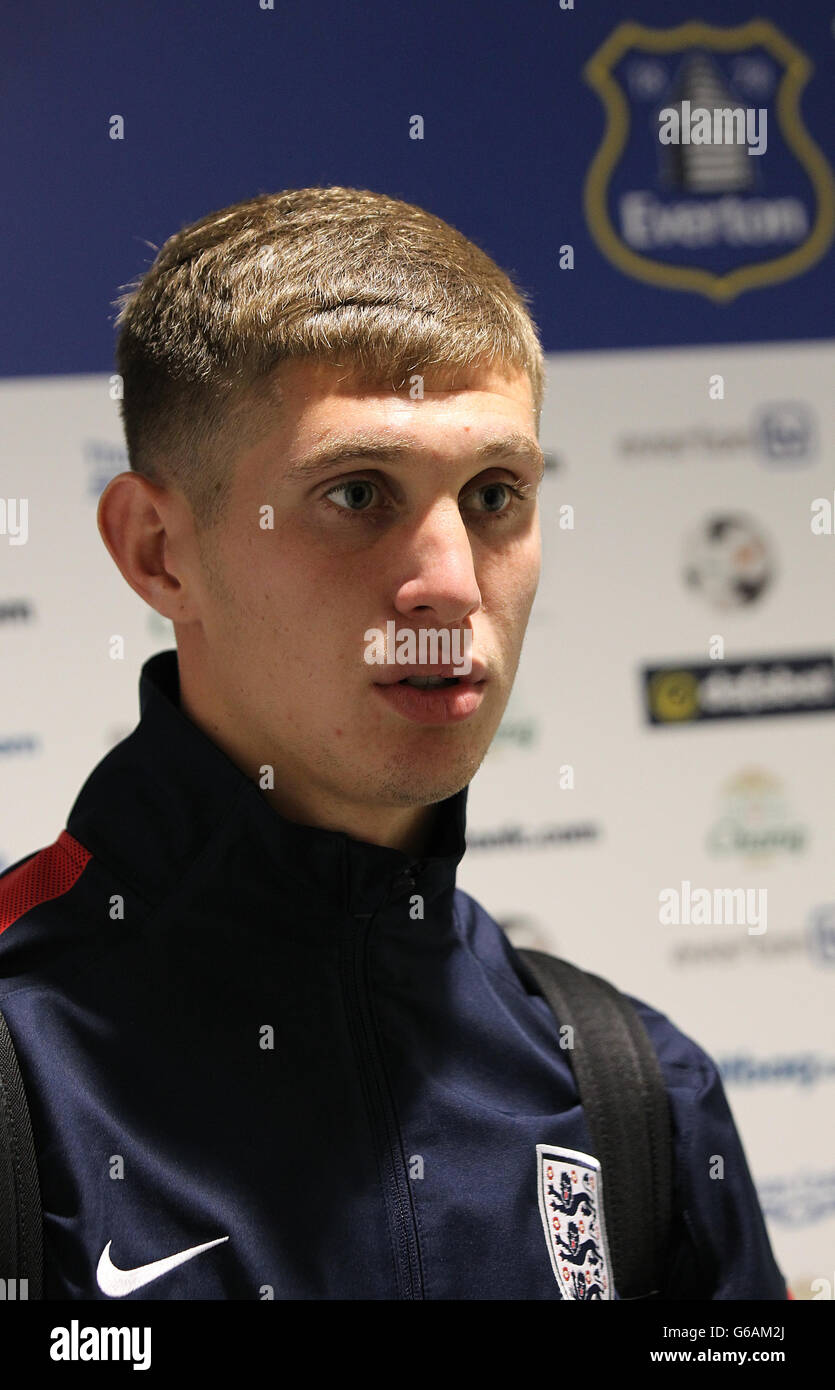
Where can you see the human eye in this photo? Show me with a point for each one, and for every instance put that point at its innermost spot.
(350, 489)
(499, 491)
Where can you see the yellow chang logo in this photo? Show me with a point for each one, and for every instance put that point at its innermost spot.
(674, 695)
(796, 72)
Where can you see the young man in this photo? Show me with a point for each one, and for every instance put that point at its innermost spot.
(270, 1050)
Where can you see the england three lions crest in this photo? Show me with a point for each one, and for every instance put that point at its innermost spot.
(571, 1206)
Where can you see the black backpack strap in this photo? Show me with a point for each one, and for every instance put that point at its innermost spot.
(627, 1109)
(21, 1220)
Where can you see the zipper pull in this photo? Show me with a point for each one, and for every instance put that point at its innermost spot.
(403, 881)
(408, 877)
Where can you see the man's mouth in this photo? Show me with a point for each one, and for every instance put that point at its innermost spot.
(424, 682)
(434, 675)
(434, 697)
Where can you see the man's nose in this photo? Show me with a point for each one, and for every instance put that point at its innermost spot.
(437, 567)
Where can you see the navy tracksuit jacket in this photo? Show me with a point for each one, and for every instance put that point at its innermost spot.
(253, 1073)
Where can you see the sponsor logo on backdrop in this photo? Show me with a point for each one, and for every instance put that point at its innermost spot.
(820, 934)
(673, 196)
(729, 560)
(13, 745)
(785, 434)
(815, 942)
(16, 610)
(684, 693)
(773, 947)
(798, 1199)
(516, 733)
(755, 821)
(519, 729)
(103, 460)
(533, 837)
(781, 434)
(790, 1068)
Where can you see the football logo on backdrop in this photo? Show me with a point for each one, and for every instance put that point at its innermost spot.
(571, 1206)
(707, 179)
(729, 560)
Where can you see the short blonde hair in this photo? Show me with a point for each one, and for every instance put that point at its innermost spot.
(342, 275)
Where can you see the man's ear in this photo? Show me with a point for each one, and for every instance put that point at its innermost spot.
(134, 517)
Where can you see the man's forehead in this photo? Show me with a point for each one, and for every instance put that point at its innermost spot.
(329, 414)
(311, 378)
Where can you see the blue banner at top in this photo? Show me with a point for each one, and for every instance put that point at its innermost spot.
(654, 177)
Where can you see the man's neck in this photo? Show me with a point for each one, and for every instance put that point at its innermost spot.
(407, 828)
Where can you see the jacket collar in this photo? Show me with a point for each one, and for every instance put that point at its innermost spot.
(167, 794)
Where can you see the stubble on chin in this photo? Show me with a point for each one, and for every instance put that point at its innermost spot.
(431, 775)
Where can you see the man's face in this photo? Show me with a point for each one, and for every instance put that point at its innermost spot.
(433, 539)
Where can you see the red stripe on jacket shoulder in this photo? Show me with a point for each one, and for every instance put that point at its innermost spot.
(48, 874)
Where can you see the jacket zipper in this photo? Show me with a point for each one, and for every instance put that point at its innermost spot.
(400, 1210)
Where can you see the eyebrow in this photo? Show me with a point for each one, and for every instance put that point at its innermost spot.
(366, 447)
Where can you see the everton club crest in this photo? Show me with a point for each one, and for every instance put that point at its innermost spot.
(707, 179)
(571, 1205)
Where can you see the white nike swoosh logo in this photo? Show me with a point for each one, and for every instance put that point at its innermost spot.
(118, 1282)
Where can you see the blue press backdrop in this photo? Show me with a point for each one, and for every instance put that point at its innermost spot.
(222, 100)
